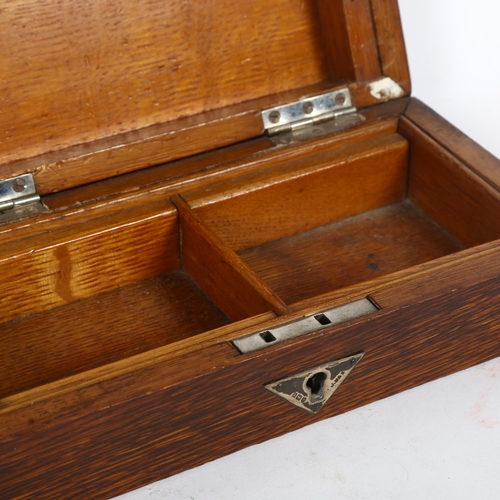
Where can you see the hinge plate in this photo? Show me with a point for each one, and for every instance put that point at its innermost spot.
(19, 198)
(308, 324)
(309, 111)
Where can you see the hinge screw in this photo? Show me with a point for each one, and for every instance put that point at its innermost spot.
(307, 107)
(19, 185)
(340, 99)
(274, 116)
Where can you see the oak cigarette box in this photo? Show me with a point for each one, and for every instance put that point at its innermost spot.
(220, 222)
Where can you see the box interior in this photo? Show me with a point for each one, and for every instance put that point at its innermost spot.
(103, 291)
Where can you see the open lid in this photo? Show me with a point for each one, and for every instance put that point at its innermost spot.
(94, 88)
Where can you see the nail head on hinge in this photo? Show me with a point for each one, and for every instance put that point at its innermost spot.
(340, 99)
(274, 116)
(19, 185)
(308, 107)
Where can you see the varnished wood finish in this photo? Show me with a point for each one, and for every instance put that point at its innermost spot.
(113, 196)
(97, 389)
(231, 284)
(404, 347)
(78, 261)
(85, 70)
(118, 307)
(391, 42)
(478, 264)
(43, 347)
(452, 194)
(348, 252)
(351, 44)
(226, 162)
(455, 142)
(142, 88)
(132, 151)
(305, 193)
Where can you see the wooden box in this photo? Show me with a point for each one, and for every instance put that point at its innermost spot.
(222, 221)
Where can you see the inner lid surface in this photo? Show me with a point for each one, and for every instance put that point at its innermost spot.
(74, 71)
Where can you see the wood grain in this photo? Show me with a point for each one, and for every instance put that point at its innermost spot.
(117, 382)
(221, 162)
(451, 193)
(81, 260)
(126, 99)
(391, 44)
(349, 38)
(99, 68)
(457, 143)
(114, 196)
(226, 279)
(98, 388)
(306, 193)
(95, 457)
(49, 345)
(479, 264)
(139, 149)
(351, 251)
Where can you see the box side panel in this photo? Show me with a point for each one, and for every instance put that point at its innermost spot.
(464, 200)
(202, 418)
(306, 193)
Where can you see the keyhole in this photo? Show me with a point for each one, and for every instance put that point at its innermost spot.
(315, 383)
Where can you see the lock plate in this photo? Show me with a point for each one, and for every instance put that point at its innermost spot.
(311, 389)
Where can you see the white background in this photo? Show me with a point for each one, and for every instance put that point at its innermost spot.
(441, 440)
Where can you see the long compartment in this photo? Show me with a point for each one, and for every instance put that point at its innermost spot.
(346, 216)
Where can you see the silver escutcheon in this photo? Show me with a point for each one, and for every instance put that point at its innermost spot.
(311, 389)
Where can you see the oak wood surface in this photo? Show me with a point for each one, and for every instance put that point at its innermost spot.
(348, 252)
(156, 386)
(391, 46)
(227, 162)
(100, 68)
(475, 157)
(135, 150)
(404, 347)
(443, 273)
(98, 388)
(84, 334)
(351, 45)
(81, 260)
(451, 193)
(231, 284)
(112, 89)
(77, 395)
(155, 184)
(302, 194)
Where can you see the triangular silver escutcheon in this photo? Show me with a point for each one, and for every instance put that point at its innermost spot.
(311, 389)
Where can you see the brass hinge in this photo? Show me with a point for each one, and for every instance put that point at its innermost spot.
(308, 324)
(334, 107)
(19, 197)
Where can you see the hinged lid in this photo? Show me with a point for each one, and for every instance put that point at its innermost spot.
(98, 88)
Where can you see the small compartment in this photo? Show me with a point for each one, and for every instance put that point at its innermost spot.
(351, 251)
(96, 293)
(348, 215)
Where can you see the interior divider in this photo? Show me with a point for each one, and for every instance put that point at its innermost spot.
(236, 290)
